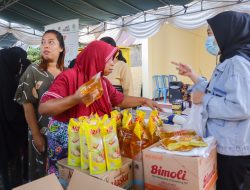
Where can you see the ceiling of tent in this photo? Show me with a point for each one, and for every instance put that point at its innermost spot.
(7, 40)
(25, 19)
(38, 13)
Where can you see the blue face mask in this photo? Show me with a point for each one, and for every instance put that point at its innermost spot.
(211, 46)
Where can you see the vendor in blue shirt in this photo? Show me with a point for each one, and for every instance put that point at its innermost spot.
(226, 97)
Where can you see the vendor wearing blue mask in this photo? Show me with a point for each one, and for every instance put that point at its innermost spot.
(225, 99)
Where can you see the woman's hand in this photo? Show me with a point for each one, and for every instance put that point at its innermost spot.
(186, 70)
(152, 104)
(85, 98)
(78, 96)
(183, 69)
(197, 97)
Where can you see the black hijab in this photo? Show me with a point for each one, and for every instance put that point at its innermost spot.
(232, 33)
(13, 61)
(13, 127)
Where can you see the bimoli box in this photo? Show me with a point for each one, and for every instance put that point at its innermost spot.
(171, 172)
(121, 178)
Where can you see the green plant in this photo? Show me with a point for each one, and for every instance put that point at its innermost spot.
(34, 54)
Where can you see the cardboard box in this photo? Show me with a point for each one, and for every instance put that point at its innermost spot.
(44, 183)
(138, 173)
(122, 177)
(78, 181)
(171, 172)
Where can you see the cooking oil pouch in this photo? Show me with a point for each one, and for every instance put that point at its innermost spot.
(92, 89)
(154, 125)
(124, 116)
(125, 133)
(97, 164)
(140, 137)
(128, 122)
(138, 130)
(84, 146)
(118, 117)
(140, 115)
(125, 137)
(140, 127)
(74, 157)
(138, 142)
(111, 145)
(183, 142)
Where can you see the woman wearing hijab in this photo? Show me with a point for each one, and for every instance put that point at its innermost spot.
(13, 127)
(121, 77)
(64, 100)
(225, 98)
(33, 83)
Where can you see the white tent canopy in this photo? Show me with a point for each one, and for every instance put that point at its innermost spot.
(140, 26)
(146, 24)
(21, 32)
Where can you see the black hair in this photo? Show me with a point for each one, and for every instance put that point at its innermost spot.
(111, 41)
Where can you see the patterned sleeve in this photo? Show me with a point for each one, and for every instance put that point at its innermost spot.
(26, 91)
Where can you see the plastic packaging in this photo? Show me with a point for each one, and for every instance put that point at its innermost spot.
(140, 137)
(183, 142)
(194, 120)
(84, 146)
(111, 145)
(125, 134)
(118, 117)
(92, 89)
(74, 158)
(97, 164)
(154, 126)
(198, 151)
